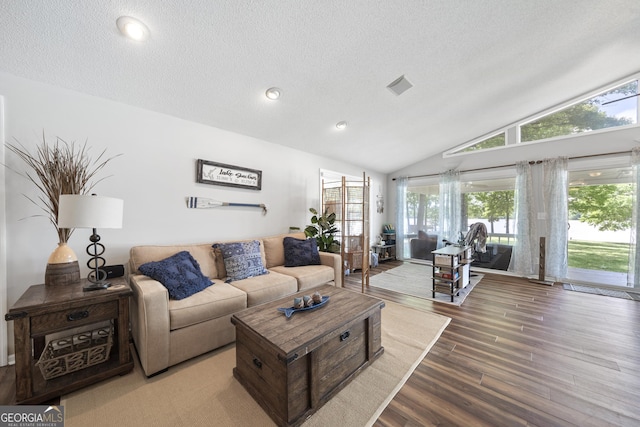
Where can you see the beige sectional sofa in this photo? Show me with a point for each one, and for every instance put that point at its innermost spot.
(167, 331)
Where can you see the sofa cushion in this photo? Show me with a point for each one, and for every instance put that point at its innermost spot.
(213, 302)
(263, 289)
(202, 253)
(242, 259)
(299, 252)
(274, 248)
(309, 276)
(179, 273)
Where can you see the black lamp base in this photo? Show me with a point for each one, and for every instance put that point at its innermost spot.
(96, 286)
(97, 275)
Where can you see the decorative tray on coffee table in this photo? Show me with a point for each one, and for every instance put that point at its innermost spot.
(290, 310)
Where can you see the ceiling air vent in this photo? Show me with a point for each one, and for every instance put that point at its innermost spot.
(400, 85)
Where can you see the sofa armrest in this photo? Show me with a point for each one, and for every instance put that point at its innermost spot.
(150, 322)
(334, 261)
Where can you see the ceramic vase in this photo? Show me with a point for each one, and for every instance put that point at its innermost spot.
(62, 267)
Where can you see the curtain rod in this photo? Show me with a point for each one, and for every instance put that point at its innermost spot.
(615, 153)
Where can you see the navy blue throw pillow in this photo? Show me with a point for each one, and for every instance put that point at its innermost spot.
(180, 274)
(299, 252)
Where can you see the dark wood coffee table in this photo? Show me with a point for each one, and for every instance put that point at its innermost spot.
(292, 366)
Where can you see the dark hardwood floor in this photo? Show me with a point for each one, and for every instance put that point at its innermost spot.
(523, 354)
(514, 354)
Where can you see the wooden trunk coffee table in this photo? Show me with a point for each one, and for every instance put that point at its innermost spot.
(292, 366)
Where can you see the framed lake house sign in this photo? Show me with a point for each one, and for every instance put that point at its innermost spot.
(228, 175)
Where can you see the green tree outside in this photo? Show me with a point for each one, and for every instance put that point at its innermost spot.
(608, 207)
(582, 117)
(493, 206)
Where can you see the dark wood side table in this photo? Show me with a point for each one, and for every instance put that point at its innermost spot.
(44, 310)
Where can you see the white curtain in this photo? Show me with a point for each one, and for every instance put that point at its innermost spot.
(401, 215)
(525, 253)
(450, 217)
(556, 208)
(634, 248)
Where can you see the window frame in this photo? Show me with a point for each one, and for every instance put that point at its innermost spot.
(512, 131)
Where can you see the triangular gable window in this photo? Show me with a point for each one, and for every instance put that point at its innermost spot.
(616, 107)
(491, 142)
(612, 108)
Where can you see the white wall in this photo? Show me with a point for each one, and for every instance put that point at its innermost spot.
(154, 175)
(3, 243)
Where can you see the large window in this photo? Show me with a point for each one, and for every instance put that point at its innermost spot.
(422, 208)
(421, 222)
(492, 203)
(616, 107)
(601, 231)
(489, 201)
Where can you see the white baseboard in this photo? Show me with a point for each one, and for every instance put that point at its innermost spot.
(12, 359)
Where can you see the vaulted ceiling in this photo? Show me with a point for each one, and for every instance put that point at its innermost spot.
(475, 66)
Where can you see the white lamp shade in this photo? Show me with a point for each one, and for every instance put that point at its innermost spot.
(84, 211)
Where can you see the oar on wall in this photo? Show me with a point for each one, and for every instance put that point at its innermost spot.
(203, 203)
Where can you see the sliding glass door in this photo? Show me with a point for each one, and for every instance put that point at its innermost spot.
(600, 225)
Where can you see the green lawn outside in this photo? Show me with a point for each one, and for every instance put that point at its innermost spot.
(605, 256)
(590, 255)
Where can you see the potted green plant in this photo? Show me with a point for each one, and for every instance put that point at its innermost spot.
(60, 168)
(323, 228)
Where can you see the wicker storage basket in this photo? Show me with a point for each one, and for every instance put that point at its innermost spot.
(75, 352)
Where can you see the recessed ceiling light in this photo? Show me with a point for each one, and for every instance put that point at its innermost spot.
(273, 93)
(594, 174)
(132, 28)
(341, 125)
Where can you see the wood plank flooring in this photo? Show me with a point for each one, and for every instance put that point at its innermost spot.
(523, 354)
(514, 354)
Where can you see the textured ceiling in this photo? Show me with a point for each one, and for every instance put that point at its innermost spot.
(475, 65)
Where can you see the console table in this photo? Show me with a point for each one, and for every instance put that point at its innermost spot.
(450, 270)
(45, 310)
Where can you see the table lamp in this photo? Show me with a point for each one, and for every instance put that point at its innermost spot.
(91, 211)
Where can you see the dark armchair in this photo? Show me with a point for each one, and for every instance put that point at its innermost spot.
(422, 246)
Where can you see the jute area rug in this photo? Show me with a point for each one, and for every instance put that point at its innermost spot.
(203, 392)
(415, 279)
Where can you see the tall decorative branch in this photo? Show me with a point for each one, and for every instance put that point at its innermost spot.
(62, 168)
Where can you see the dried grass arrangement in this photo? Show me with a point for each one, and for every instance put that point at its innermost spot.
(59, 168)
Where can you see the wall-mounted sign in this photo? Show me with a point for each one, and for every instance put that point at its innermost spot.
(229, 175)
